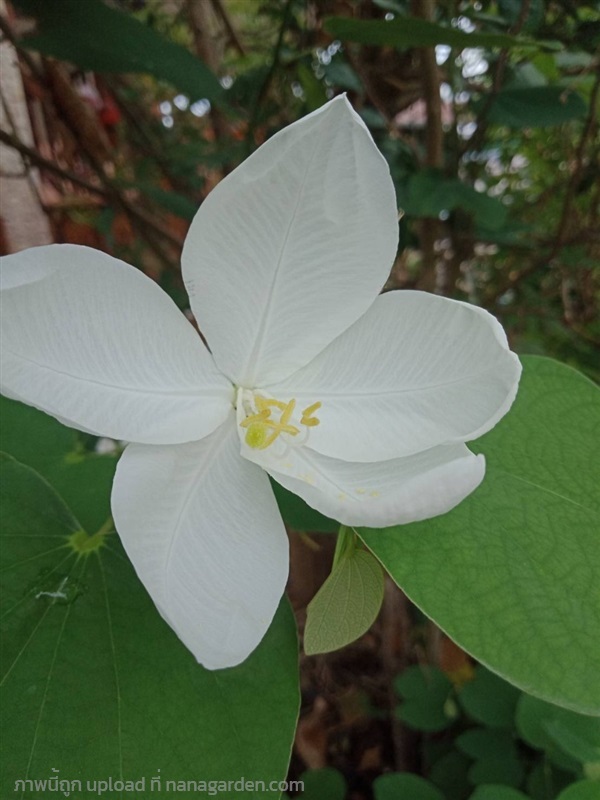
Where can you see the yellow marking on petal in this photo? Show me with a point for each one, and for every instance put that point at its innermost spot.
(360, 491)
(374, 494)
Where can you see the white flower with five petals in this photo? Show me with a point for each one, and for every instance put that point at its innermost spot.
(358, 403)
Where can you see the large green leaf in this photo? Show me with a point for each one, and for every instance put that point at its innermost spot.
(83, 480)
(410, 32)
(96, 685)
(102, 39)
(534, 107)
(513, 573)
(33, 437)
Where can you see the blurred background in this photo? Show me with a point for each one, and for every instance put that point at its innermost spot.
(117, 118)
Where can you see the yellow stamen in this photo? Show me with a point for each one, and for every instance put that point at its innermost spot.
(263, 429)
(255, 418)
(307, 416)
(308, 412)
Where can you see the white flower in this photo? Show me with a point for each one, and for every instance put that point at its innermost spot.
(360, 404)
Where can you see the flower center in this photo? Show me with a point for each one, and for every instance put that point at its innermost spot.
(267, 419)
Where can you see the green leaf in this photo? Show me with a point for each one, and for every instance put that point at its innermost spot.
(495, 754)
(85, 485)
(300, 516)
(450, 773)
(99, 38)
(428, 193)
(346, 605)
(84, 481)
(405, 785)
(567, 738)
(489, 700)
(534, 107)
(341, 74)
(409, 32)
(496, 792)
(33, 437)
(486, 743)
(582, 790)
(96, 684)
(506, 770)
(427, 704)
(513, 573)
(314, 89)
(323, 784)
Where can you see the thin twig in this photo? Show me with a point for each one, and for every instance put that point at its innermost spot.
(268, 77)
(561, 239)
(39, 161)
(477, 140)
(231, 31)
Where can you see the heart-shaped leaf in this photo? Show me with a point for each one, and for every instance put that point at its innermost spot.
(96, 685)
(513, 573)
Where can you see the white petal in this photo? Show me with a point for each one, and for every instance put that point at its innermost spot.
(203, 531)
(97, 344)
(414, 372)
(392, 492)
(292, 247)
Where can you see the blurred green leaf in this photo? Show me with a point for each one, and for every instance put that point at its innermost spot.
(96, 684)
(323, 784)
(582, 790)
(313, 88)
(300, 516)
(346, 605)
(567, 738)
(533, 107)
(427, 704)
(489, 700)
(486, 742)
(405, 786)
(96, 37)
(449, 773)
(428, 193)
(524, 545)
(505, 769)
(409, 32)
(497, 792)
(341, 74)
(512, 9)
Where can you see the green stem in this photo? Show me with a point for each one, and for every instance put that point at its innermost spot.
(345, 545)
(108, 526)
